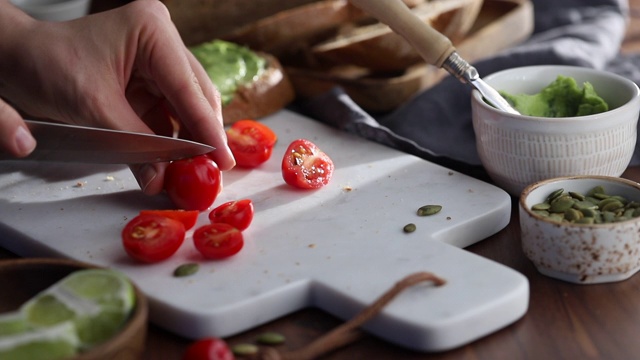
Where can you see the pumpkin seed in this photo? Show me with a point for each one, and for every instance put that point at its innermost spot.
(186, 270)
(554, 195)
(541, 212)
(429, 210)
(244, 349)
(584, 204)
(600, 196)
(573, 215)
(577, 196)
(561, 204)
(596, 207)
(596, 190)
(589, 212)
(409, 228)
(612, 206)
(586, 220)
(541, 206)
(271, 338)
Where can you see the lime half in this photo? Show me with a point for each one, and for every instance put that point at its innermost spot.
(97, 301)
(54, 342)
(12, 323)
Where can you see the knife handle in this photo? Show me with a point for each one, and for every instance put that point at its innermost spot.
(434, 47)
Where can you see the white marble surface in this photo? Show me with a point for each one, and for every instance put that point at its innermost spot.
(337, 248)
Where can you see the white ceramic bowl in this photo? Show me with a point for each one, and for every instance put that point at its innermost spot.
(518, 150)
(54, 10)
(579, 253)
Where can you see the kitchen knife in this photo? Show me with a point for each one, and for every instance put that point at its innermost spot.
(435, 48)
(70, 143)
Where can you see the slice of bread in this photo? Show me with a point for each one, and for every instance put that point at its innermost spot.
(268, 94)
(252, 84)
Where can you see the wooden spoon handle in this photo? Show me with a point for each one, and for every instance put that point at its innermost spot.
(434, 47)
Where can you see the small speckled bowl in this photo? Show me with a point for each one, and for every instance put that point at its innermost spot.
(582, 254)
(517, 150)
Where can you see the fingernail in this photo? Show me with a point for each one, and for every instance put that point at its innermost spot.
(24, 142)
(146, 174)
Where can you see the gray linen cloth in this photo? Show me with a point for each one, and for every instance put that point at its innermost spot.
(436, 123)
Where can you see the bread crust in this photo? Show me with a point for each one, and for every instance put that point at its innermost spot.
(276, 35)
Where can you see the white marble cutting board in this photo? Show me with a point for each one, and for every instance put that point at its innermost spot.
(337, 248)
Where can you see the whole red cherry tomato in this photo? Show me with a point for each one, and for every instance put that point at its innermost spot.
(152, 238)
(251, 142)
(218, 241)
(193, 184)
(305, 166)
(188, 218)
(208, 349)
(237, 213)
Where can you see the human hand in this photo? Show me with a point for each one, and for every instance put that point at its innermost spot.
(124, 69)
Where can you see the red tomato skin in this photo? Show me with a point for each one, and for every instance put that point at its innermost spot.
(305, 166)
(188, 218)
(193, 184)
(251, 142)
(208, 349)
(152, 238)
(238, 213)
(218, 241)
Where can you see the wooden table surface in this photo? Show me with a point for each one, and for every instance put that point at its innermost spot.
(564, 321)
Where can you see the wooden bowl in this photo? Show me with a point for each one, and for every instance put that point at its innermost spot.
(21, 279)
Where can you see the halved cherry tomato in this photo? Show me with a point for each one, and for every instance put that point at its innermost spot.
(218, 241)
(305, 166)
(188, 218)
(152, 238)
(237, 213)
(208, 349)
(193, 184)
(251, 142)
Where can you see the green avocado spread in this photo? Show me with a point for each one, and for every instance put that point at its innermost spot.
(229, 65)
(562, 98)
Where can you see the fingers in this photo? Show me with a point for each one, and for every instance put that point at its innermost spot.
(15, 138)
(187, 88)
(150, 177)
(218, 138)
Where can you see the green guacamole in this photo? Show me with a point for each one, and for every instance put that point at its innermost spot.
(562, 98)
(229, 65)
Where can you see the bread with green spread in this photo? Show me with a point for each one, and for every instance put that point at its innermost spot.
(251, 84)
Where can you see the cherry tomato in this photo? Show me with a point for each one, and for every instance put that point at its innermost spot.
(193, 184)
(237, 213)
(188, 218)
(305, 166)
(152, 238)
(208, 349)
(218, 241)
(251, 142)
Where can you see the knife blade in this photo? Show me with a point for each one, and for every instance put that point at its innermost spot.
(71, 143)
